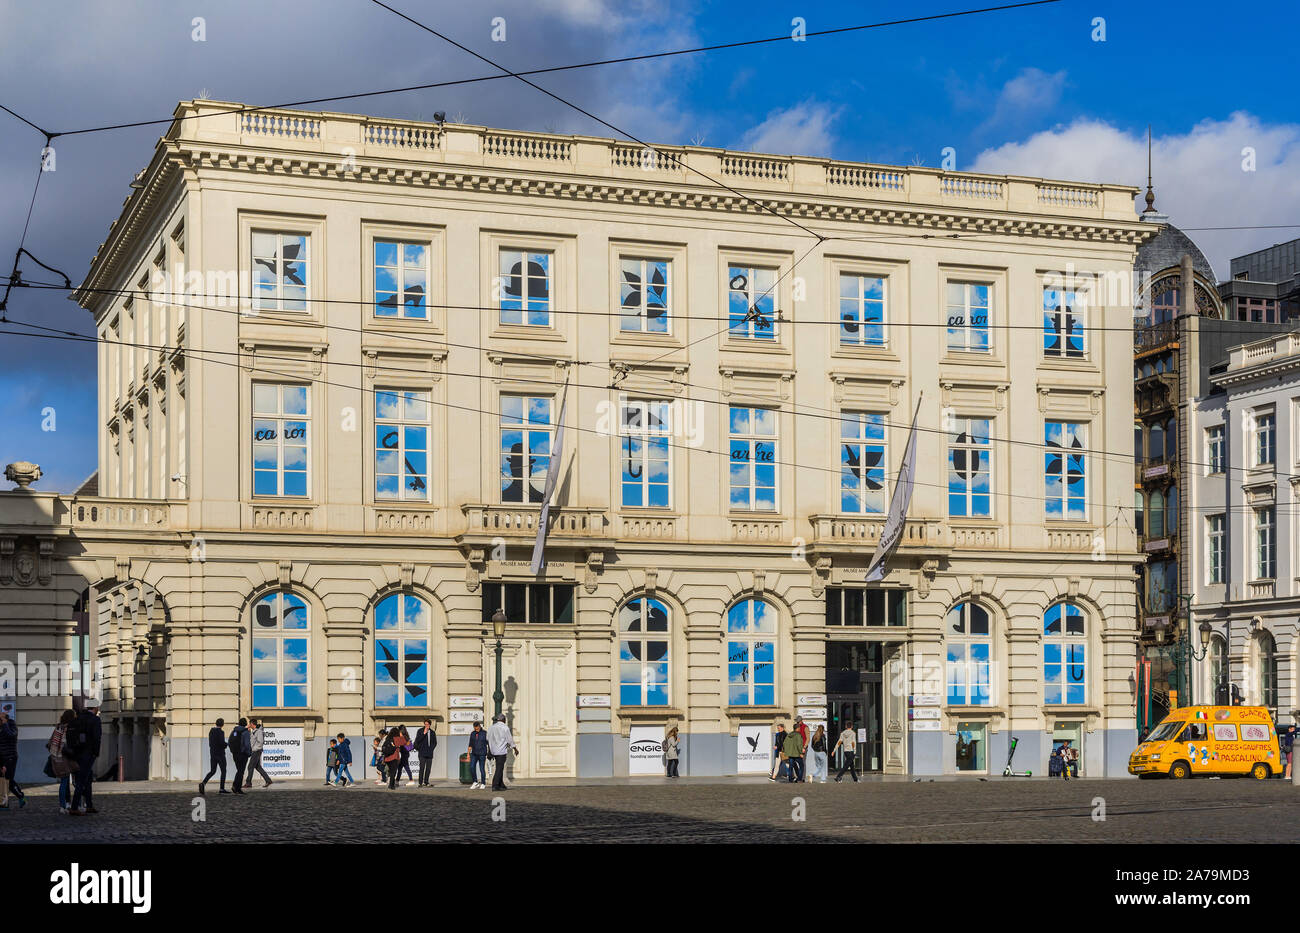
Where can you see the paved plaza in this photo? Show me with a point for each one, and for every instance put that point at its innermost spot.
(701, 810)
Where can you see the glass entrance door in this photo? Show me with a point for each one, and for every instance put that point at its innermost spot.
(853, 694)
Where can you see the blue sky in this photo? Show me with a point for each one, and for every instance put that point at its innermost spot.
(1025, 91)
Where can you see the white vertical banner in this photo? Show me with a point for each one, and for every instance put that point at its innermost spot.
(645, 750)
(552, 479)
(898, 505)
(753, 749)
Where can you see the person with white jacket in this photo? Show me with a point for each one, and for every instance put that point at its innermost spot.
(500, 741)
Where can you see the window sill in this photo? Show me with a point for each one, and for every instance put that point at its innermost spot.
(527, 332)
(856, 352)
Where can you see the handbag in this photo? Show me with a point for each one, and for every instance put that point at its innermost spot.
(394, 756)
(48, 770)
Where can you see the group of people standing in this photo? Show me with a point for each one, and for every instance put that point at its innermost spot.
(73, 746)
(391, 755)
(245, 743)
(792, 749)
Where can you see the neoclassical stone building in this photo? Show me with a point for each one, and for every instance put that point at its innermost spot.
(335, 356)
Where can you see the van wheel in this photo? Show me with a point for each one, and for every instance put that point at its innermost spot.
(1261, 771)
(1180, 770)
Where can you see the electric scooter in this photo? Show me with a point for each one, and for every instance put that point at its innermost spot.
(1011, 753)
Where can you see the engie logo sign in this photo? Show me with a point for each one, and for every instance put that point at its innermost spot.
(105, 886)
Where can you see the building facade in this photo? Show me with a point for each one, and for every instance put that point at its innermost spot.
(1243, 505)
(341, 358)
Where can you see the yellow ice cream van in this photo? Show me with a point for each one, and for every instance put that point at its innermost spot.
(1230, 741)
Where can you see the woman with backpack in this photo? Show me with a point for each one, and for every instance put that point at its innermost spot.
(59, 767)
(390, 753)
(405, 760)
(671, 749)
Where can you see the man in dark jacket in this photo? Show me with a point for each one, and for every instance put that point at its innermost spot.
(217, 752)
(426, 740)
(82, 741)
(478, 755)
(9, 757)
(344, 750)
(241, 749)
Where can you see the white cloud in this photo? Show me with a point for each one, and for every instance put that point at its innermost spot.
(1199, 180)
(804, 129)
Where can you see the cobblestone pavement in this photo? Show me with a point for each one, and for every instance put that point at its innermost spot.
(992, 811)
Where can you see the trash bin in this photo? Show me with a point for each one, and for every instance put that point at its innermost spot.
(465, 776)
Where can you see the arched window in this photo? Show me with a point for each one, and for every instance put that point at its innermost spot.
(1267, 648)
(1156, 443)
(1171, 511)
(1137, 441)
(1139, 514)
(280, 651)
(1156, 514)
(1171, 439)
(969, 655)
(643, 653)
(402, 651)
(1065, 669)
(751, 654)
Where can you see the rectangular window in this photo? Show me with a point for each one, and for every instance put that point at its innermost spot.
(281, 264)
(529, 603)
(526, 431)
(849, 605)
(968, 316)
(645, 427)
(751, 302)
(645, 295)
(1214, 549)
(862, 463)
(281, 441)
(1265, 544)
(1065, 470)
(401, 445)
(968, 673)
(1064, 323)
(1265, 438)
(524, 287)
(401, 279)
(862, 310)
(970, 468)
(753, 459)
(1215, 448)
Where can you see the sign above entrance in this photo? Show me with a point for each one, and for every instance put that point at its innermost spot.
(811, 699)
(475, 702)
(593, 700)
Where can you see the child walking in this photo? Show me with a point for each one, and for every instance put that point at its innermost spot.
(332, 763)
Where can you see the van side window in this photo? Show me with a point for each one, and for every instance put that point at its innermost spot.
(1195, 732)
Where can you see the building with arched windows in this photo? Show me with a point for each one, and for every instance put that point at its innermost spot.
(342, 360)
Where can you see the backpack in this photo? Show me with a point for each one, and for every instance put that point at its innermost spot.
(234, 743)
(73, 739)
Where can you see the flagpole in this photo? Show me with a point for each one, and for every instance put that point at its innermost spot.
(552, 480)
(899, 501)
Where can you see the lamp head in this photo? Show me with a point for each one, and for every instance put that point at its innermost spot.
(499, 624)
(1205, 629)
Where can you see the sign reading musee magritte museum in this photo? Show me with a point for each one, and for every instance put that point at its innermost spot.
(282, 752)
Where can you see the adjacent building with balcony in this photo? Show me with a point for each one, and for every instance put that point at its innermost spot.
(341, 359)
(1242, 507)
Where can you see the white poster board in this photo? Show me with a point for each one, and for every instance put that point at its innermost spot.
(754, 750)
(645, 750)
(282, 754)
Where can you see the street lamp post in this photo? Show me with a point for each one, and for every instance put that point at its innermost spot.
(499, 630)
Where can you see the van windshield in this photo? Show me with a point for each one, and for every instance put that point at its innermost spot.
(1165, 731)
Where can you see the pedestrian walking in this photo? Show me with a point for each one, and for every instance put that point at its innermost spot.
(500, 742)
(83, 738)
(426, 740)
(1067, 760)
(256, 738)
(391, 752)
(59, 767)
(377, 761)
(818, 748)
(780, 767)
(478, 755)
(802, 728)
(9, 758)
(792, 748)
(1287, 742)
(848, 742)
(671, 747)
(345, 760)
(404, 745)
(332, 763)
(241, 749)
(217, 755)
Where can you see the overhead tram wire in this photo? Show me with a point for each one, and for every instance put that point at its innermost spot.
(813, 411)
(52, 333)
(554, 69)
